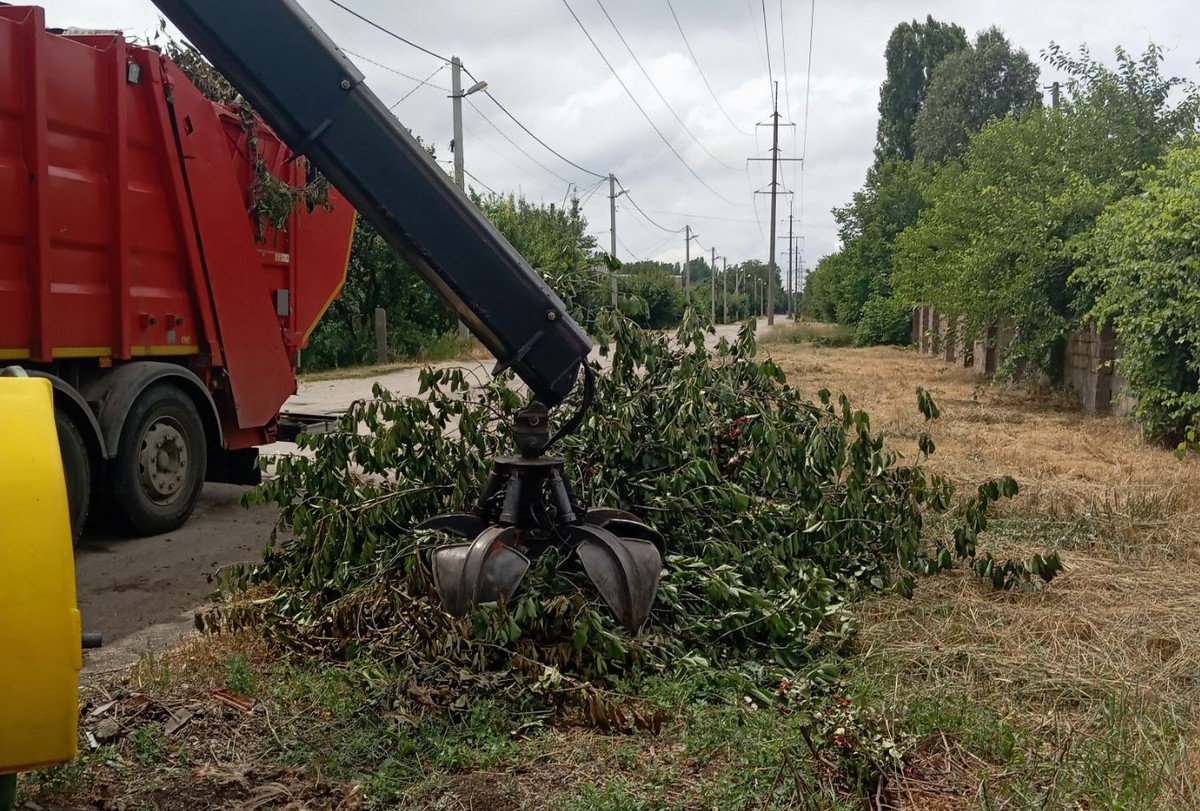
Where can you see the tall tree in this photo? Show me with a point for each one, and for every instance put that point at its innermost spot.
(913, 51)
(969, 88)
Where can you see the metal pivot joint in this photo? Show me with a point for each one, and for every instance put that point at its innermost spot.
(528, 506)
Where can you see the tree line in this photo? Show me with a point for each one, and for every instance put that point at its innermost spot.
(992, 206)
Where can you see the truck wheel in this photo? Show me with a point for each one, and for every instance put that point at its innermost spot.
(77, 471)
(161, 458)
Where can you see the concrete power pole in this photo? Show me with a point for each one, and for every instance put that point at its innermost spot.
(687, 253)
(712, 296)
(724, 290)
(612, 218)
(791, 268)
(456, 97)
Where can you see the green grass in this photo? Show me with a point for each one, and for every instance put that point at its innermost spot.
(816, 334)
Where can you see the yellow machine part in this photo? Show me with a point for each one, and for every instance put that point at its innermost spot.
(40, 653)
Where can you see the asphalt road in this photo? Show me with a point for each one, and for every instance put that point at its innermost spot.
(141, 594)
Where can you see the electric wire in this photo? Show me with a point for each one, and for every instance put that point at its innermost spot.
(517, 146)
(480, 182)
(699, 70)
(390, 33)
(663, 98)
(390, 69)
(641, 110)
(487, 93)
(418, 87)
(648, 218)
(767, 45)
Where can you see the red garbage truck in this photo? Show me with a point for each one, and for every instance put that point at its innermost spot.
(138, 274)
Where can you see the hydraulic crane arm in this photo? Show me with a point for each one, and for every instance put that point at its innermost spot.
(315, 99)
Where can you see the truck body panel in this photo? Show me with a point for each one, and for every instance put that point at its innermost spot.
(125, 230)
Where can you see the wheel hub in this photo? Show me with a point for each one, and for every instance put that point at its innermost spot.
(163, 461)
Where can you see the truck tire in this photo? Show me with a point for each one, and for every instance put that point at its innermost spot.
(77, 470)
(161, 457)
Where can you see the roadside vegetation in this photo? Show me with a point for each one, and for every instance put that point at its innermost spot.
(1079, 694)
(999, 209)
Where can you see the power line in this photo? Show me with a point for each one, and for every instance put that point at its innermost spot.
(390, 69)
(418, 87)
(699, 70)
(480, 182)
(666, 103)
(641, 110)
(812, 18)
(767, 45)
(504, 135)
(488, 93)
(698, 216)
(648, 218)
(390, 33)
(545, 145)
(787, 90)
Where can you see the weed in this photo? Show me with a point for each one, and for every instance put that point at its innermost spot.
(817, 334)
(239, 678)
(149, 743)
(152, 670)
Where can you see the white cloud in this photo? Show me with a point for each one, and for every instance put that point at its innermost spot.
(540, 65)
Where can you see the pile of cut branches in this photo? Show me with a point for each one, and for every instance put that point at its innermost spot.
(776, 511)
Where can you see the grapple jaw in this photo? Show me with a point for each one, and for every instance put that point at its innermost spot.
(527, 507)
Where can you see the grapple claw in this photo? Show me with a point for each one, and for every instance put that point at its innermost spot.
(461, 525)
(624, 570)
(528, 506)
(482, 571)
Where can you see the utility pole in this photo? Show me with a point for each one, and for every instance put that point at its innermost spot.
(456, 97)
(687, 253)
(1054, 95)
(791, 277)
(775, 160)
(612, 216)
(724, 290)
(712, 296)
(774, 190)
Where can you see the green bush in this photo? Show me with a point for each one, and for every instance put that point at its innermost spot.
(775, 511)
(885, 320)
(662, 298)
(1144, 274)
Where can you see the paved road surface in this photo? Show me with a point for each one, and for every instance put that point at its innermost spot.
(142, 593)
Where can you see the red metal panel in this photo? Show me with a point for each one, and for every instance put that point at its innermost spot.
(15, 301)
(35, 154)
(260, 371)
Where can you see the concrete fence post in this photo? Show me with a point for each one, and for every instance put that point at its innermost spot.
(381, 342)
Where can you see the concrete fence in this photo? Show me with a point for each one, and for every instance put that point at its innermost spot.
(1088, 366)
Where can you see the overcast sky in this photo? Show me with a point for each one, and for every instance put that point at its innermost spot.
(540, 65)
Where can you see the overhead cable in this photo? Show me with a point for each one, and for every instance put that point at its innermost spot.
(663, 98)
(699, 70)
(641, 110)
(488, 93)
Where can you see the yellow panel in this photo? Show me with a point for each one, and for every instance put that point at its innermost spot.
(14, 354)
(81, 351)
(177, 349)
(39, 621)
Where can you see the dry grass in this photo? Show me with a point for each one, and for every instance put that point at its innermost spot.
(1120, 628)
(1066, 461)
